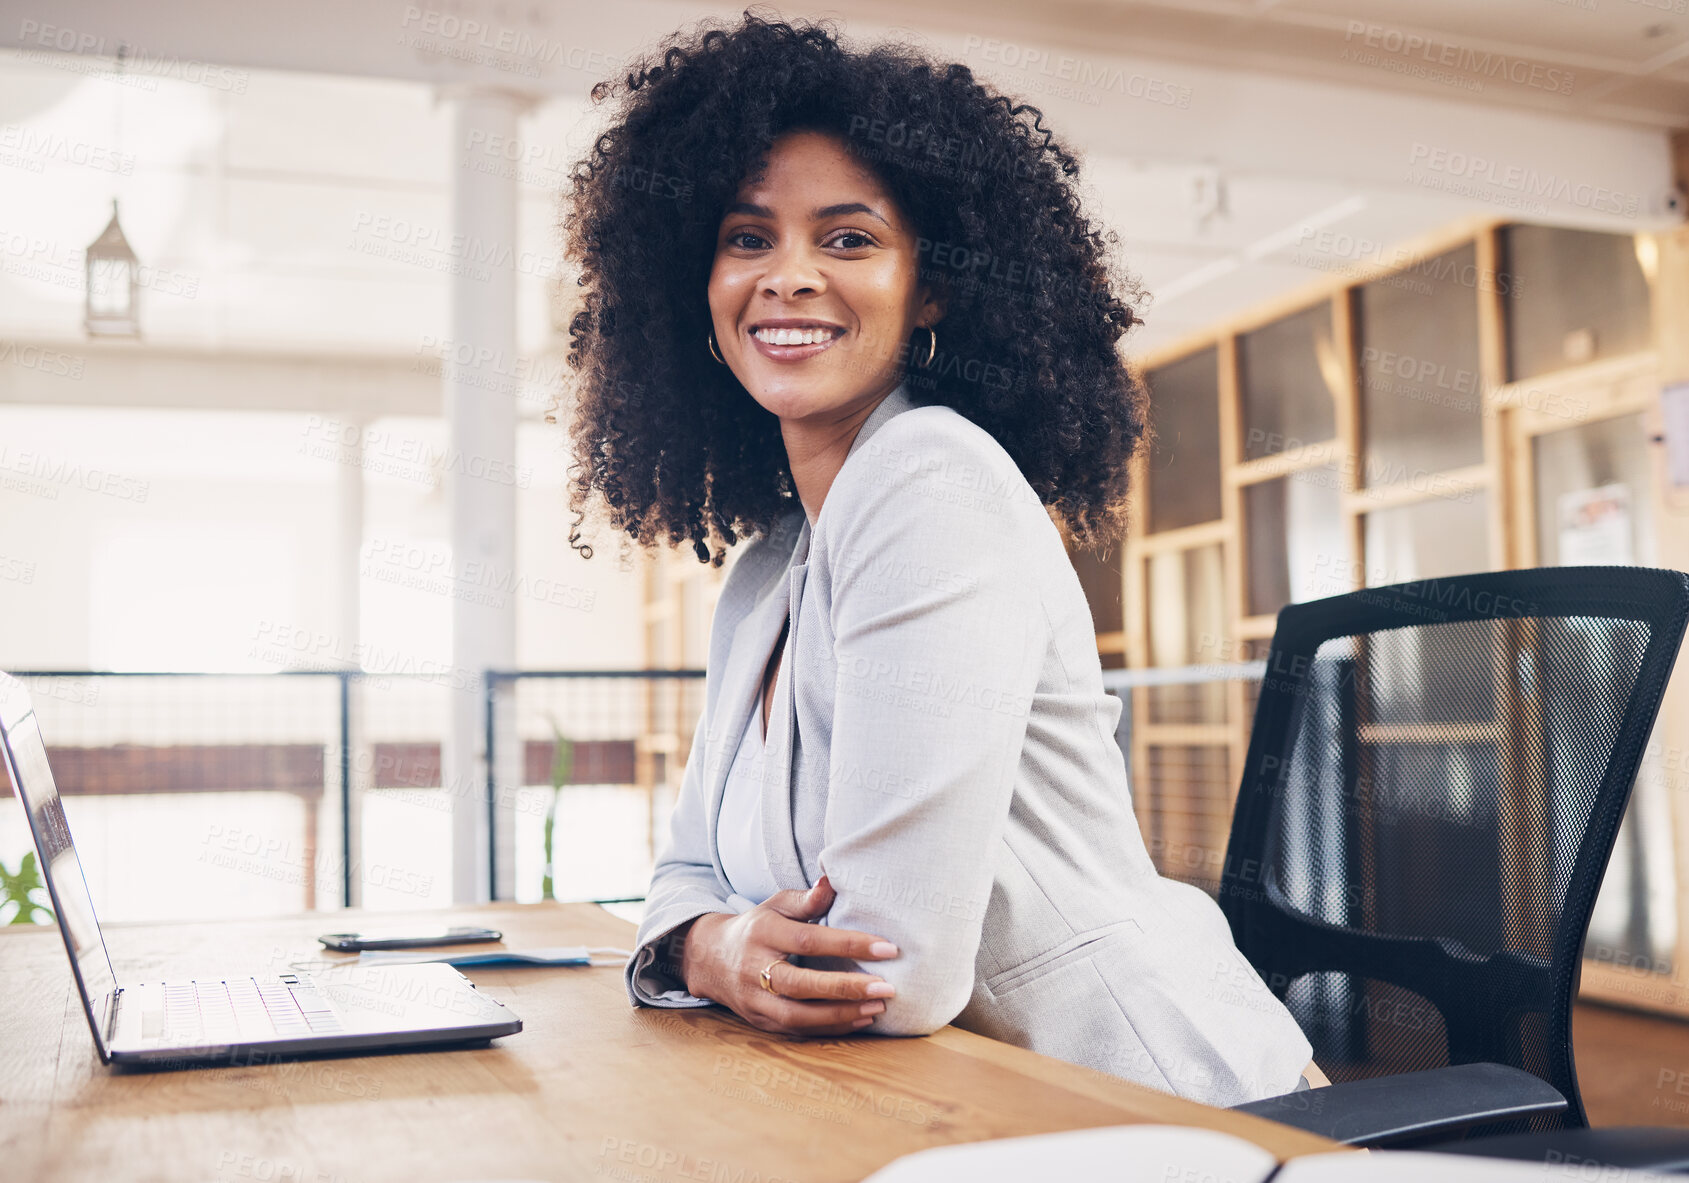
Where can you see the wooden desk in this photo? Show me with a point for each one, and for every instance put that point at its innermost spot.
(591, 1088)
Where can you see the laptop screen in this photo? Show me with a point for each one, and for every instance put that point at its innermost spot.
(26, 762)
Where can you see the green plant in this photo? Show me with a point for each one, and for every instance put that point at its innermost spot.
(562, 768)
(17, 888)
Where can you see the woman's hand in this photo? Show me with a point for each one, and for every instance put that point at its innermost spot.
(723, 958)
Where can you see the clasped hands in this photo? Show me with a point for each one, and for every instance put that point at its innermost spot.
(724, 957)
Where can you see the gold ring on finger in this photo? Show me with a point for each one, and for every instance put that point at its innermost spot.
(768, 969)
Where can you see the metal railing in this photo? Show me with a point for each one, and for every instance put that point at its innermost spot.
(174, 732)
(636, 742)
(329, 736)
(1119, 681)
(335, 733)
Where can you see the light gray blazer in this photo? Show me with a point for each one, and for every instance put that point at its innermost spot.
(943, 750)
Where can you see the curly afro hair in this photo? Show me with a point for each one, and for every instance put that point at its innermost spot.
(672, 442)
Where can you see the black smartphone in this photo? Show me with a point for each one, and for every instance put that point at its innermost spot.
(357, 942)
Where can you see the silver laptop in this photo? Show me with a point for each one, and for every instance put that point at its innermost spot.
(223, 1020)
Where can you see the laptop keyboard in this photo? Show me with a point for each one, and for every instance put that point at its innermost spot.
(238, 1009)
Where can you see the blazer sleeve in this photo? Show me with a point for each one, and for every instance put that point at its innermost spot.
(940, 641)
(684, 886)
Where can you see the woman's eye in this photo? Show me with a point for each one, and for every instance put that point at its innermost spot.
(849, 240)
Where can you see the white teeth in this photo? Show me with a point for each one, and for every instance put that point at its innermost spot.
(793, 336)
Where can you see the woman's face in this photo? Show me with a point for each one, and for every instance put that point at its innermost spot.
(818, 247)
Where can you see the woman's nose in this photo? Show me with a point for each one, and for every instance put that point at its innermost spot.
(792, 272)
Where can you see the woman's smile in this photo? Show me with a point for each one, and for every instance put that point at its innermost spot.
(787, 339)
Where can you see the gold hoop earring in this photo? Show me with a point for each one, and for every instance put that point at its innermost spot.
(932, 346)
(713, 352)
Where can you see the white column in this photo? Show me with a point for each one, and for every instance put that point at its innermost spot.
(481, 452)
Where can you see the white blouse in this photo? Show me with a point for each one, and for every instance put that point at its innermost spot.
(739, 834)
(739, 828)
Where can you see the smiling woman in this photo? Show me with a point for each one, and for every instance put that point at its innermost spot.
(938, 181)
(878, 339)
(799, 276)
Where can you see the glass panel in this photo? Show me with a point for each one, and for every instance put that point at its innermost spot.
(1101, 580)
(1428, 539)
(1190, 807)
(1184, 461)
(1289, 374)
(1592, 494)
(1255, 649)
(1293, 528)
(1186, 613)
(1574, 296)
(1594, 506)
(1420, 411)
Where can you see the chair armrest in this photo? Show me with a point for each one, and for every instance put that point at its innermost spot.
(1642, 1148)
(1387, 1110)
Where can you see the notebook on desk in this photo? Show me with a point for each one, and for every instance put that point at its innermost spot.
(244, 1018)
(1191, 1154)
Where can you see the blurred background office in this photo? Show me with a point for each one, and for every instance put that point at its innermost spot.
(283, 526)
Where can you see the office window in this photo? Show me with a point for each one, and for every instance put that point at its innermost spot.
(1288, 375)
(1420, 404)
(1187, 621)
(189, 594)
(1190, 807)
(1184, 462)
(1594, 505)
(1428, 539)
(1593, 493)
(1572, 296)
(1293, 531)
(1100, 577)
(1431, 540)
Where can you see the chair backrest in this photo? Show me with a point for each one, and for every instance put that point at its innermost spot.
(1435, 777)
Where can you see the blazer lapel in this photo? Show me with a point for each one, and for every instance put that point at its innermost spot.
(753, 640)
(778, 839)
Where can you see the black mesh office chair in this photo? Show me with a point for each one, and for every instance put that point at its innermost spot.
(1435, 778)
